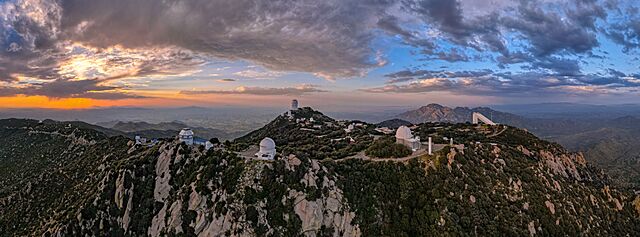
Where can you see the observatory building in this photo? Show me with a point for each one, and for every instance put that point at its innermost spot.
(267, 149)
(140, 140)
(186, 136)
(294, 105)
(404, 137)
(478, 117)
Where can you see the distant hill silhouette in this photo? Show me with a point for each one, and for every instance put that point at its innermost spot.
(166, 129)
(394, 123)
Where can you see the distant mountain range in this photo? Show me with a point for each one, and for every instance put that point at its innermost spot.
(167, 129)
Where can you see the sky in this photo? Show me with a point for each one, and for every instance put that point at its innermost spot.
(335, 53)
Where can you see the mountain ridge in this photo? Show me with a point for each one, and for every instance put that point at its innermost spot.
(509, 183)
(439, 113)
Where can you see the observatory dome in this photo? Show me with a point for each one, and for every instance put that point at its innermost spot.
(267, 144)
(267, 149)
(186, 136)
(186, 132)
(403, 132)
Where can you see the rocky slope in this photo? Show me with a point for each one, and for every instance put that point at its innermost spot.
(609, 144)
(70, 181)
(612, 146)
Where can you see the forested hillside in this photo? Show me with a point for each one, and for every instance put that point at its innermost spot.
(72, 181)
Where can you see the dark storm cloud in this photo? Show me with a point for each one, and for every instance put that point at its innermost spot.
(549, 32)
(481, 33)
(444, 14)
(27, 43)
(326, 37)
(303, 89)
(567, 28)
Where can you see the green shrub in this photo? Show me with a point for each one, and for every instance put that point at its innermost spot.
(386, 147)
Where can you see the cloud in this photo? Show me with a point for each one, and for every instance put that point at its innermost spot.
(454, 55)
(247, 90)
(551, 32)
(94, 88)
(627, 31)
(77, 40)
(409, 75)
(259, 74)
(279, 35)
(561, 66)
(489, 83)
(226, 80)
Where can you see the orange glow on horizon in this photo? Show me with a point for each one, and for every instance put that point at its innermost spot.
(21, 101)
(43, 102)
(152, 99)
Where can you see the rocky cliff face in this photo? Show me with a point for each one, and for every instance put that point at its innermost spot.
(180, 190)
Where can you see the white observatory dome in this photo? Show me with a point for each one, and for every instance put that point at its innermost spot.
(403, 132)
(186, 136)
(267, 144)
(267, 149)
(186, 132)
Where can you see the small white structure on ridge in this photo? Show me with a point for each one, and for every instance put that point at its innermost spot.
(208, 145)
(294, 104)
(349, 128)
(404, 137)
(186, 136)
(267, 149)
(430, 153)
(478, 117)
(141, 140)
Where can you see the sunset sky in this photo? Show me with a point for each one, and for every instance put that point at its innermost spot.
(156, 53)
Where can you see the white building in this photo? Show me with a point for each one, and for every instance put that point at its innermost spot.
(349, 128)
(267, 149)
(208, 145)
(478, 117)
(384, 130)
(141, 140)
(404, 137)
(186, 136)
(294, 105)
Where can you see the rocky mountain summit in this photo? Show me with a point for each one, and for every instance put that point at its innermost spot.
(66, 180)
(439, 113)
